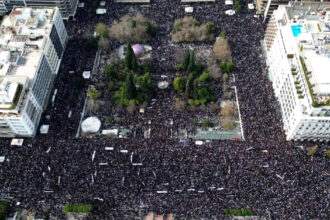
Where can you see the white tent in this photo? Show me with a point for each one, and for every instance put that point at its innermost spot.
(229, 2)
(17, 142)
(230, 12)
(101, 11)
(110, 132)
(87, 74)
(188, 9)
(91, 125)
(44, 129)
(251, 6)
(2, 159)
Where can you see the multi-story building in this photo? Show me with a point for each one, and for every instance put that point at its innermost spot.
(297, 43)
(32, 43)
(67, 7)
(266, 7)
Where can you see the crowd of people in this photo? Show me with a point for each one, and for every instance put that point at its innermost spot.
(125, 177)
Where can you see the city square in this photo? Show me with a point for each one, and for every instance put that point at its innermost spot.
(161, 165)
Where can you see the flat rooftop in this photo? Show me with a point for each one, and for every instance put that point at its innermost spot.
(22, 41)
(306, 33)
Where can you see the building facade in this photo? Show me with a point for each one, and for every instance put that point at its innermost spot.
(32, 43)
(66, 7)
(297, 43)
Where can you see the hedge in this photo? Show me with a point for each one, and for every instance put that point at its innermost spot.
(4, 206)
(77, 208)
(238, 212)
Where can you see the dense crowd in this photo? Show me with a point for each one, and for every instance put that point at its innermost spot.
(264, 173)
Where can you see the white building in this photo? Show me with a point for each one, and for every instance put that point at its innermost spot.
(297, 36)
(66, 7)
(32, 42)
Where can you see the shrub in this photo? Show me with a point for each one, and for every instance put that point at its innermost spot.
(327, 152)
(178, 84)
(77, 208)
(93, 93)
(223, 34)
(227, 67)
(312, 150)
(238, 212)
(207, 123)
(203, 77)
(112, 86)
(193, 102)
(4, 206)
(228, 124)
(108, 121)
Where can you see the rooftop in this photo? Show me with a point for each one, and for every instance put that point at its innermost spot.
(305, 29)
(21, 44)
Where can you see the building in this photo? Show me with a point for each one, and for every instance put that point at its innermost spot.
(67, 7)
(32, 43)
(297, 43)
(266, 7)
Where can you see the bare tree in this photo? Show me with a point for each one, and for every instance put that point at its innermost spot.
(104, 44)
(221, 50)
(227, 110)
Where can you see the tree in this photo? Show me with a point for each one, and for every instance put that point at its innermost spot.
(228, 123)
(129, 87)
(93, 93)
(135, 65)
(203, 94)
(191, 61)
(312, 150)
(227, 67)
(110, 72)
(178, 84)
(186, 60)
(189, 87)
(129, 56)
(102, 30)
(203, 77)
(221, 50)
(144, 82)
(227, 110)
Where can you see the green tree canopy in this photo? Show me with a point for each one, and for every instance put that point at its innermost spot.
(178, 84)
(110, 72)
(144, 82)
(129, 56)
(191, 61)
(186, 60)
(129, 87)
